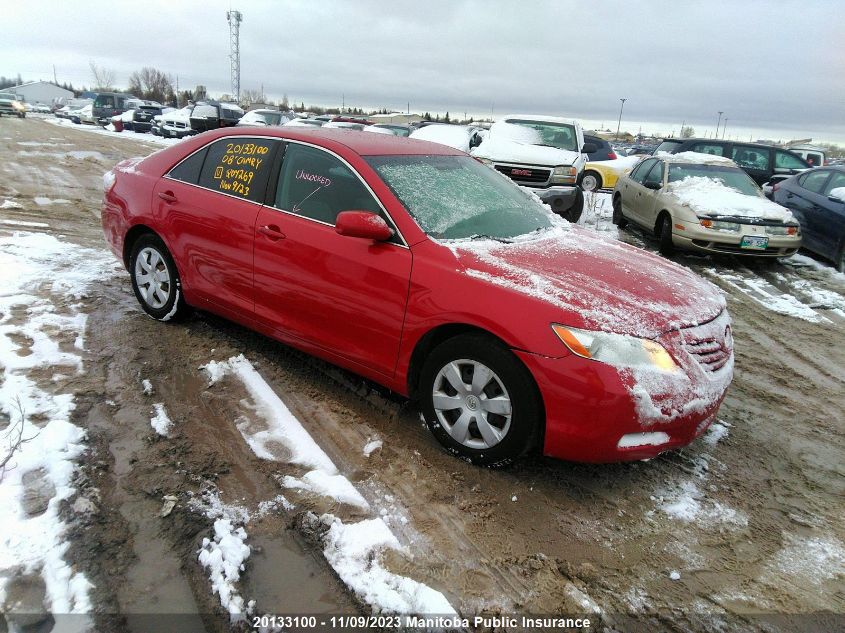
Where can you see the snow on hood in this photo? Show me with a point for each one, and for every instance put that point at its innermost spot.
(456, 136)
(708, 196)
(598, 283)
(512, 143)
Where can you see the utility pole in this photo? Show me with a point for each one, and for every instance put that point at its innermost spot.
(724, 127)
(409, 107)
(619, 123)
(718, 123)
(55, 80)
(234, 18)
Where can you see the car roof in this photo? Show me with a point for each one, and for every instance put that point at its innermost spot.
(718, 140)
(362, 143)
(539, 118)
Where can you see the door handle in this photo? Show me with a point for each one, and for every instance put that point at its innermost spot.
(167, 196)
(272, 232)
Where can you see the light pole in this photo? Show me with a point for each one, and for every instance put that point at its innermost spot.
(724, 127)
(718, 123)
(619, 123)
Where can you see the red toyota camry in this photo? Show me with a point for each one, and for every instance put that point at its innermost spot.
(420, 268)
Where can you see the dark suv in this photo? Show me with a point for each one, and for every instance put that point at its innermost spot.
(764, 163)
(603, 152)
(109, 104)
(210, 115)
(142, 118)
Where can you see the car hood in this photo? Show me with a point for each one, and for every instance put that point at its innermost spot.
(708, 197)
(507, 150)
(596, 282)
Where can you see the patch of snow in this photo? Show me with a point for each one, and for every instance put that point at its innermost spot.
(696, 158)
(147, 387)
(838, 192)
(224, 556)
(710, 197)
(43, 201)
(272, 505)
(716, 433)
(10, 204)
(810, 560)
(161, 422)
(353, 551)
(46, 277)
(336, 487)
(34, 225)
(372, 445)
(631, 440)
(674, 575)
(215, 371)
(456, 136)
(689, 504)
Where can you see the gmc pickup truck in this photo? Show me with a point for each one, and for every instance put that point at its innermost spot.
(542, 153)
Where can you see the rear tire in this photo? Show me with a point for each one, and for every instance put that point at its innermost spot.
(665, 236)
(618, 218)
(840, 259)
(156, 280)
(497, 415)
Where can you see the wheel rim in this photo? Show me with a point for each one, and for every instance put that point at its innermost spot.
(152, 278)
(472, 404)
(589, 182)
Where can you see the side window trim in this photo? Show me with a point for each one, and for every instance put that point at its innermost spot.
(270, 201)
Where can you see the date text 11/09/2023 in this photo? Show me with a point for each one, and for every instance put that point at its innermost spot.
(444, 622)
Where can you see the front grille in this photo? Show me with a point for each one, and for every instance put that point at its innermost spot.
(710, 344)
(524, 174)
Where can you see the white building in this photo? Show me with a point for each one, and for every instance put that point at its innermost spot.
(40, 92)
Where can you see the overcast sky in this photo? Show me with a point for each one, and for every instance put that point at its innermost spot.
(776, 69)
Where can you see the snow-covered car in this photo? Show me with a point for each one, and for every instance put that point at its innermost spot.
(603, 174)
(704, 203)
(86, 115)
(12, 104)
(396, 130)
(212, 115)
(156, 122)
(305, 123)
(345, 125)
(264, 118)
(41, 108)
(177, 123)
(543, 153)
(462, 137)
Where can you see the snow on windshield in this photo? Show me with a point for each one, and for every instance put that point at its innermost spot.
(710, 196)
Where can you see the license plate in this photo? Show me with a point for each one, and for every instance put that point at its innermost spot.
(754, 243)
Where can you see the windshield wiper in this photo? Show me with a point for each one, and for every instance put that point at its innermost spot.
(482, 236)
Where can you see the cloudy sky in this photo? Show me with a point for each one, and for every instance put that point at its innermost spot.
(777, 69)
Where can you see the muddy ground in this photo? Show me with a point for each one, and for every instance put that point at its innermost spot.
(750, 516)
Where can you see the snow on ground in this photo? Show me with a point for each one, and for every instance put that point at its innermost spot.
(109, 131)
(34, 225)
(147, 387)
(371, 446)
(354, 550)
(161, 422)
(224, 556)
(10, 204)
(43, 201)
(42, 280)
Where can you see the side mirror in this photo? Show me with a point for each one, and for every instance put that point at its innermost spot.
(589, 148)
(836, 199)
(363, 224)
(653, 185)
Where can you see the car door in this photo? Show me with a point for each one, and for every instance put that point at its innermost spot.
(650, 202)
(209, 203)
(339, 294)
(802, 197)
(831, 216)
(755, 161)
(633, 190)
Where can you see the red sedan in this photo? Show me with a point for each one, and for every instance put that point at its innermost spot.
(418, 267)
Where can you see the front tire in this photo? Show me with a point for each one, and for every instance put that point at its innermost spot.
(156, 280)
(665, 237)
(479, 401)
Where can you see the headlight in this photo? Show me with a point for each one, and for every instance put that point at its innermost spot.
(564, 175)
(718, 225)
(17, 105)
(615, 349)
(783, 230)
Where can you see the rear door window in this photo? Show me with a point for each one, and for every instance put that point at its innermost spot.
(837, 181)
(749, 157)
(189, 169)
(238, 167)
(714, 149)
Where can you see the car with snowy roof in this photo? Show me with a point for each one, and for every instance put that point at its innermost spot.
(763, 163)
(706, 203)
(419, 268)
(543, 153)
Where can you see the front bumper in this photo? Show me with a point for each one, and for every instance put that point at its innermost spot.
(558, 197)
(598, 413)
(694, 238)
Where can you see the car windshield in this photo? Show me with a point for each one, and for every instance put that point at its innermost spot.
(270, 118)
(456, 197)
(560, 135)
(732, 177)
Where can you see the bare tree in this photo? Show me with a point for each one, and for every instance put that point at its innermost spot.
(687, 131)
(151, 83)
(284, 105)
(103, 77)
(250, 96)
